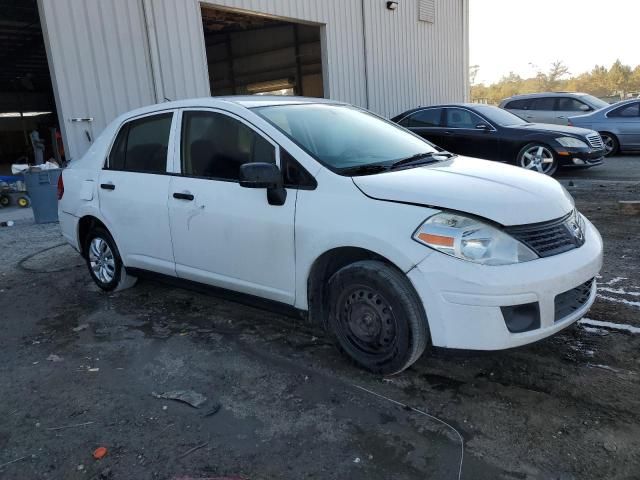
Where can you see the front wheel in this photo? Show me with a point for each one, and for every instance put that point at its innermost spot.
(376, 317)
(539, 158)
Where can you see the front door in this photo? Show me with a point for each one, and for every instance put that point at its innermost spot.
(223, 234)
(133, 193)
(469, 134)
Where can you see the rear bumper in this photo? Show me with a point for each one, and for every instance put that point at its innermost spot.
(69, 228)
(463, 300)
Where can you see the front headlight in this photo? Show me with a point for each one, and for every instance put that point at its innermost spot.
(471, 239)
(571, 142)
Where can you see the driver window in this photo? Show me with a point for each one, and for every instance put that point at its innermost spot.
(459, 118)
(215, 145)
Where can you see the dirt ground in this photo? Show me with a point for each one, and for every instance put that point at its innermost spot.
(78, 369)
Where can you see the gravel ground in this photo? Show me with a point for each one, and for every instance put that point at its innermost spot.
(290, 406)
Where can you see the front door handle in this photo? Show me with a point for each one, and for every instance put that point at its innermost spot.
(561, 116)
(183, 196)
(448, 133)
(107, 186)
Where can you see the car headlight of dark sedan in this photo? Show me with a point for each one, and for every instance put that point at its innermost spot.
(571, 142)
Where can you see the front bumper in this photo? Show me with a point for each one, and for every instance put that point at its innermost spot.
(463, 300)
(579, 157)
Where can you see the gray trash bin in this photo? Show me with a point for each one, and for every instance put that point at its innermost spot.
(42, 188)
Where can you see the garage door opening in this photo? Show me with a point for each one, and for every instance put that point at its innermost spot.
(27, 102)
(252, 54)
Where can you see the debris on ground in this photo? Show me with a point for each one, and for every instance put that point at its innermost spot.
(54, 358)
(71, 426)
(213, 410)
(80, 328)
(189, 397)
(99, 453)
(191, 450)
(8, 223)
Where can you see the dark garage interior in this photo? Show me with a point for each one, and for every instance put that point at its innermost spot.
(251, 54)
(26, 94)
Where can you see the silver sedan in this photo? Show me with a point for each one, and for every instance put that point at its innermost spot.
(618, 124)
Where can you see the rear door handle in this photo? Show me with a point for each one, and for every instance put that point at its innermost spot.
(107, 186)
(448, 133)
(561, 116)
(183, 196)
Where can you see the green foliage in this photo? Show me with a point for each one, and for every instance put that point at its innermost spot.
(618, 80)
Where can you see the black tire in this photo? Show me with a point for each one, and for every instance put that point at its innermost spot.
(4, 200)
(119, 278)
(529, 164)
(376, 317)
(612, 145)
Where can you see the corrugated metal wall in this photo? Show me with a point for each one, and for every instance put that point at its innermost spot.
(110, 56)
(99, 62)
(412, 62)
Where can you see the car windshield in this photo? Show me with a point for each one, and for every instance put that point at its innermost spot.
(595, 102)
(344, 138)
(500, 116)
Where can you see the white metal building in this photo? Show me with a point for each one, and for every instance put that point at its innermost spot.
(109, 56)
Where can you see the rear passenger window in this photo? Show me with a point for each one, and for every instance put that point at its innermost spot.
(626, 111)
(141, 145)
(215, 145)
(524, 104)
(425, 118)
(544, 103)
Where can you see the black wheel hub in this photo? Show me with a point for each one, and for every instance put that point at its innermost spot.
(367, 320)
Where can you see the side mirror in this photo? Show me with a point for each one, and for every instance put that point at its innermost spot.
(483, 126)
(260, 175)
(264, 175)
(585, 108)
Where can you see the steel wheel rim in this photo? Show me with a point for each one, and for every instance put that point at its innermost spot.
(537, 158)
(367, 320)
(102, 260)
(607, 140)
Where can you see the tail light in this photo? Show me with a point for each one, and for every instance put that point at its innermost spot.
(60, 187)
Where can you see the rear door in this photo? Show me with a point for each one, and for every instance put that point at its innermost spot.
(463, 135)
(520, 107)
(133, 192)
(542, 110)
(627, 120)
(224, 234)
(428, 124)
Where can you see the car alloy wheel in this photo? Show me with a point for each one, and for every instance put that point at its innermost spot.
(102, 260)
(538, 158)
(610, 144)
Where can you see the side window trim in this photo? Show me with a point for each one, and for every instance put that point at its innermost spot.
(413, 114)
(181, 132)
(126, 124)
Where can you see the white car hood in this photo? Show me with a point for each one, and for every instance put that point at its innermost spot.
(503, 193)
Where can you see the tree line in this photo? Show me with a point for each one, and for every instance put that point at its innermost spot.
(614, 83)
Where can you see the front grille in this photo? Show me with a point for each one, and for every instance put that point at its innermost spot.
(551, 238)
(568, 302)
(595, 140)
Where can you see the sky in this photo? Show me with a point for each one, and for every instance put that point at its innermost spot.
(525, 36)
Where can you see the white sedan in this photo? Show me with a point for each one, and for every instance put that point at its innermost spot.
(331, 210)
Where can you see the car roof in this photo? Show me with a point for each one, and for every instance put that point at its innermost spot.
(247, 101)
(545, 94)
(443, 105)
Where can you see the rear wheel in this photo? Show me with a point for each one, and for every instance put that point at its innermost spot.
(23, 202)
(611, 144)
(376, 317)
(104, 262)
(4, 200)
(539, 158)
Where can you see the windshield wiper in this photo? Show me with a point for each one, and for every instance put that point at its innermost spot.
(421, 158)
(364, 169)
